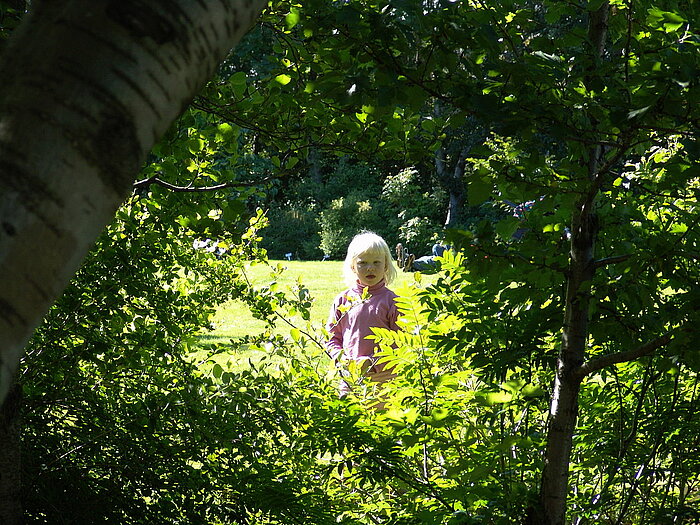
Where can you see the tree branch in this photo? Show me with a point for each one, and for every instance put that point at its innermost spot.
(599, 363)
(611, 260)
(145, 183)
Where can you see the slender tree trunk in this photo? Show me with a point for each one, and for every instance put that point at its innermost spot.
(87, 88)
(564, 405)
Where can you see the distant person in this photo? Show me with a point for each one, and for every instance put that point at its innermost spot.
(367, 304)
(429, 263)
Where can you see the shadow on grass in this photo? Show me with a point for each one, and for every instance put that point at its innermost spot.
(213, 339)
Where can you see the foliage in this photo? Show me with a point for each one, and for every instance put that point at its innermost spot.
(469, 406)
(330, 210)
(293, 229)
(592, 139)
(419, 209)
(458, 442)
(10, 15)
(345, 217)
(644, 448)
(114, 411)
(352, 197)
(593, 114)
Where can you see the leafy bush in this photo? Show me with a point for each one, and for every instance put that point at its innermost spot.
(293, 229)
(122, 425)
(351, 198)
(120, 418)
(419, 212)
(419, 234)
(346, 216)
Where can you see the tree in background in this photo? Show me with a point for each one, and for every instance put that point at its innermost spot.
(591, 116)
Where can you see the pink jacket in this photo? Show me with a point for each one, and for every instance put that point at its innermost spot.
(349, 328)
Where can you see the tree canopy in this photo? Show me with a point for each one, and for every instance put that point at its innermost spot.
(547, 375)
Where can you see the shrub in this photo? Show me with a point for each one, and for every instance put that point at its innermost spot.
(419, 234)
(293, 229)
(419, 212)
(349, 215)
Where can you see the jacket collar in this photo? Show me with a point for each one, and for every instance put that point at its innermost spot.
(359, 287)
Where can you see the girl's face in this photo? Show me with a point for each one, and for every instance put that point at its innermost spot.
(370, 268)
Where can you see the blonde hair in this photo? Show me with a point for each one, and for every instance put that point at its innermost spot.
(368, 242)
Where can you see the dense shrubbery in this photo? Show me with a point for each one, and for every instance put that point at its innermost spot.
(348, 215)
(116, 416)
(123, 422)
(320, 218)
(294, 230)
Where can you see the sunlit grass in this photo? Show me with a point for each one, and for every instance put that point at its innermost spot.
(324, 279)
(234, 320)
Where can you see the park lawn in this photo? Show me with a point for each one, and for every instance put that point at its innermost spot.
(233, 320)
(324, 279)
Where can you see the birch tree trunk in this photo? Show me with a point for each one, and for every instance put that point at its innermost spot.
(11, 510)
(564, 405)
(87, 88)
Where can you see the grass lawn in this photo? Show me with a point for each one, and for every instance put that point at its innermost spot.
(324, 279)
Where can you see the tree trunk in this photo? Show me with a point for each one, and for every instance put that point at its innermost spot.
(314, 162)
(88, 88)
(452, 178)
(564, 404)
(10, 458)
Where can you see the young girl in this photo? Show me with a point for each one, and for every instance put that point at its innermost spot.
(367, 304)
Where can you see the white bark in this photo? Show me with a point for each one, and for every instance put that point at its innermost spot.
(87, 88)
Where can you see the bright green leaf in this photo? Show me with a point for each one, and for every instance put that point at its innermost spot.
(195, 145)
(283, 79)
(292, 18)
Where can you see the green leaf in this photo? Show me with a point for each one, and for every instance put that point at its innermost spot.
(292, 18)
(238, 79)
(479, 190)
(239, 83)
(283, 79)
(224, 132)
(532, 391)
(195, 145)
(428, 125)
(507, 227)
(495, 398)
